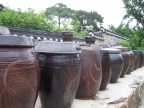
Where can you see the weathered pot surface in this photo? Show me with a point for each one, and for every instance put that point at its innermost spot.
(91, 73)
(19, 73)
(60, 68)
(116, 62)
(106, 68)
(126, 58)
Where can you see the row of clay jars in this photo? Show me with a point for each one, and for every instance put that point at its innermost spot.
(138, 58)
(112, 64)
(116, 62)
(19, 73)
(126, 58)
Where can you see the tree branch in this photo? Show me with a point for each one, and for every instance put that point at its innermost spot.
(64, 20)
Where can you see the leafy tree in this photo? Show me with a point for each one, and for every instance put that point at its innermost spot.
(1, 7)
(61, 11)
(93, 18)
(76, 25)
(122, 29)
(27, 19)
(135, 10)
(135, 36)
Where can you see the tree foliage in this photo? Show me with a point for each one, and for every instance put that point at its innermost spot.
(27, 19)
(135, 36)
(93, 18)
(61, 11)
(135, 10)
(122, 29)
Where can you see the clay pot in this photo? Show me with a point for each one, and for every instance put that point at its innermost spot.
(90, 40)
(142, 58)
(60, 73)
(105, 63)
(91, 73)
(131, 65)
(106, 68)
(126, 58)
(67, 36)
(19, 73)
(136, 59)
(116, 61)
(90, 70)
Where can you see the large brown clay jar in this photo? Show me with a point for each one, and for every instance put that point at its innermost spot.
(106, 68)
(105, 63)
(116, 61)
(91, 74)
(60, 73)
(19, 73)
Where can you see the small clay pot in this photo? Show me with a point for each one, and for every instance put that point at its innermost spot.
(67, 36)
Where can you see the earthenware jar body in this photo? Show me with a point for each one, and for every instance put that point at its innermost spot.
(106, 68)
(90, 73)
(136, 59)
(142, 58)
(126, 58)
(116, 61)
(19, 73)
(60, 74)
(131, 65)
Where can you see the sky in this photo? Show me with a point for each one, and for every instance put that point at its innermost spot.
(111, 10)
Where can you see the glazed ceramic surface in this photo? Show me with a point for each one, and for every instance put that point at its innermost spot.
(91, 73)
(19, 73)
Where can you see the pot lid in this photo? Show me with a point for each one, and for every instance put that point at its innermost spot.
(121, 48)
(15, 41)
(111, 50)
(57, 47)
(105, 45)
